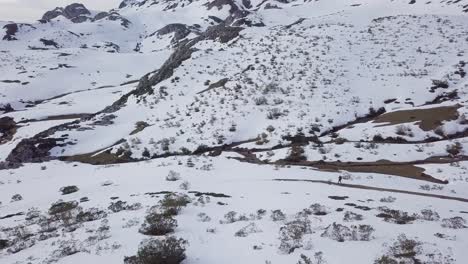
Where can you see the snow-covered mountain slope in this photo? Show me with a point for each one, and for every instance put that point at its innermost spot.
(223, 106)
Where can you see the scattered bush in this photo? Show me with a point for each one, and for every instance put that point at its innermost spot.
(292, 233)
(185, 185)
(62, 207)
(429, 215)
(456, 222)
(396, 216)
(204, 217)
(343, 233)
(351, 216)
(232, 217)
(403, 250)
(154, 251)
(119, 205)
(173, 176)
(157, 224)
(403, 130)
(318, 209)
(277, 215)
(16, 198)
(454, 149)
(173, 203)
(296, 154)
(91, 214)
(246, 230)
(389, 199)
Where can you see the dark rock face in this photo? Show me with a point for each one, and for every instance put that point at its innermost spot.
(11, 30)
(100, 16)
(3, 244)
(180, 30)
(48, 42)
(219, 4)
(7, 124)
(33, 150)
(6, 108)
(75, 12)
(222, 33)
(116, 17)
(113, 17)
(7, 129)
(126, 3)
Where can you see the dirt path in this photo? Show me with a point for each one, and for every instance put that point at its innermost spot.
(364, 187)
(427, 118)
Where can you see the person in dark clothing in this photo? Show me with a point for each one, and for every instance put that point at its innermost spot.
(339, 179)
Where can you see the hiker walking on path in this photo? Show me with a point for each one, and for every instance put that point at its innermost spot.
(339, 179)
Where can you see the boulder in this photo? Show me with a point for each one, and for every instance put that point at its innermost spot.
(11, 30)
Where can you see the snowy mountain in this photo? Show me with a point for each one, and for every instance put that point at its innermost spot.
(190, 128)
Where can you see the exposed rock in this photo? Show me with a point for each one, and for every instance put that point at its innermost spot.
(270, 6)
(216, 19)
(219, 4)
(79, 19)
(6, 108)
(222, 33)
(7, 128)
(49, 42)
(75, 12)
(100, 16)
(126, 3)
(33, 150)
(114, 16)
(11, 30)
(181, 31)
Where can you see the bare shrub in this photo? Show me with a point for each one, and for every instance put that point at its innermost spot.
(277, 215)
(155, 251)
(292, 233)
(454, 149)
(16, 198)
(119, 205)
(343, 233)
(157, 224)
(396, 216)
(248, 229)
(389, 199)
(429, 215)
(171, 204)
(173, 176)
(456, 222)
(351, 216)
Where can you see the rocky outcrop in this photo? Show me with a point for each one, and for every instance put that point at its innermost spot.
(49, 42)
(77, 13)
(180, 31)
(126, 3)
(11, 30)
(238, 15)
(33, 150)
(7, 129)
(113, 16)
(219, 4)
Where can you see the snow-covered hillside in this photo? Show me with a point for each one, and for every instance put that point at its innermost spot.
(227, 123)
